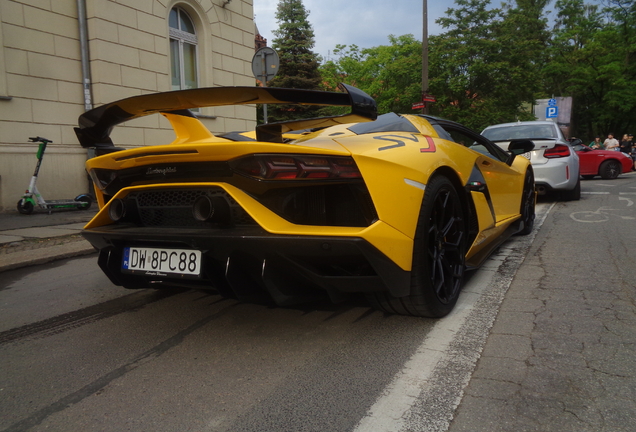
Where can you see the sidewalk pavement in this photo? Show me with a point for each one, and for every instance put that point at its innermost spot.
(41, 237)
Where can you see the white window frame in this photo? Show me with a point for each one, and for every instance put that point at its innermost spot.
(183, 37)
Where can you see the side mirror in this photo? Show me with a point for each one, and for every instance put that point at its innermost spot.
(575, 141)
(517, 147)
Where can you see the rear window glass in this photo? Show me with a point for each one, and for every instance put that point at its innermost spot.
(507, 133)
(385, 123)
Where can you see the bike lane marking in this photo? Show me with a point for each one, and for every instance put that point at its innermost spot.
(599, 215)
(424, 395)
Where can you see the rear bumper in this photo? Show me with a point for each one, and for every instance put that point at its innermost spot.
(557, 174)
(250, 264)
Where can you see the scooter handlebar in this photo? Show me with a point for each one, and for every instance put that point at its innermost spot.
(39, 139)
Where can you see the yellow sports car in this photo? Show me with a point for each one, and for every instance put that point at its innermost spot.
(397, 207)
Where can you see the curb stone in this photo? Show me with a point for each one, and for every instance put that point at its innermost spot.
(38, 252)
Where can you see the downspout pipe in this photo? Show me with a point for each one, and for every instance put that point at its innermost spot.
(86, 71)
(86, 67)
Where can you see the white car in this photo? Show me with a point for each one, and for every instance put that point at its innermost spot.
(554, 161)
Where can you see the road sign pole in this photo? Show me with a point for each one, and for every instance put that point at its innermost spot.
(264, 69)
(264, 80)
(424, 52)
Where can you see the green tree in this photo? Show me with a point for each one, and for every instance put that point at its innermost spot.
(620, 34)
(593, 60)
(463, 64)
(523, 39)
(485, 68)
(491, 63)
(391, 74)
(298, 63)
(576, 58)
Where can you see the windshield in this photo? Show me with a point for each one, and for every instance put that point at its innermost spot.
(521, 131)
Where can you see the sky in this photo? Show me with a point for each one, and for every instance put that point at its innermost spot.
(365, 23)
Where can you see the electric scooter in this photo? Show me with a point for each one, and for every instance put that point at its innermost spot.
(33, 198)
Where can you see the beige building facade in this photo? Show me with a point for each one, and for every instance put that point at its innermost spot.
(131, 47)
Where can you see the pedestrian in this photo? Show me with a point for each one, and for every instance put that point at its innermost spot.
(597, 144)
(626, 144)
(611, 143)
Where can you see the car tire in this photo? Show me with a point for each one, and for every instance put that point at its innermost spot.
(25, 207)
(573, 194)
(528, 204)
(588, 177)
(439, 254)
(609, 169)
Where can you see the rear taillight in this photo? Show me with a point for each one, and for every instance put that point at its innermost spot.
(296, 167)
(558, 151)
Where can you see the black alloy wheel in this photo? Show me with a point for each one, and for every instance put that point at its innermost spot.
(609, 169)
(445, 238)
(439, 255)
(528, 204)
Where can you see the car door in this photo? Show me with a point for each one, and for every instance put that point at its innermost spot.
(503, 182)
(588, 159)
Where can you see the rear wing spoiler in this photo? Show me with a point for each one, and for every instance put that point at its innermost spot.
(96, 125)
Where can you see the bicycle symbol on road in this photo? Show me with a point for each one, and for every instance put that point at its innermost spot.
(601, 215)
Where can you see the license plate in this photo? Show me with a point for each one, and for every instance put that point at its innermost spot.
(162, 262)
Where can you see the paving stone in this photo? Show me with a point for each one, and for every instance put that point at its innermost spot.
(508, 346)
(24, 258)
(10, 238)
(514, 322)
(505, 369)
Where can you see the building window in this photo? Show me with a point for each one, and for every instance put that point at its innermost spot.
(183, 50)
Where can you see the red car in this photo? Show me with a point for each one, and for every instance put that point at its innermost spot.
(605, 163)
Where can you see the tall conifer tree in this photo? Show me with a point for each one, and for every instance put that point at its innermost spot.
(298, 63)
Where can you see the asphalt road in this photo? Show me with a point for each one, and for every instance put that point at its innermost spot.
(77, 353)
(110, 359)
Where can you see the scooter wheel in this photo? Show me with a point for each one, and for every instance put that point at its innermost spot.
(86, 201)
(25, 207)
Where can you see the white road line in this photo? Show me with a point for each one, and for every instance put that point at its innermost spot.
(595, 193)
(420, 397)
